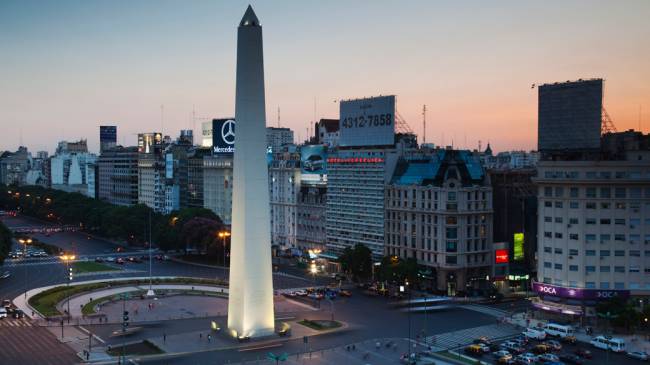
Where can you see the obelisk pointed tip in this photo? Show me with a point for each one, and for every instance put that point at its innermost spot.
(249, 19)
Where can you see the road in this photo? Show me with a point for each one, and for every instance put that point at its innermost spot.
(23, 343)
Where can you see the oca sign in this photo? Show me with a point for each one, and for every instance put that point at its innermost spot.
(548, 290)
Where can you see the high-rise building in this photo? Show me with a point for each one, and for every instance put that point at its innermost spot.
(439, 212)
(594, 227)
(278, 137)
(69, 165)
(218, 185)
(570, 115)
(151, 181)
(284, 185)
(311, 217)
(107, 137)
(118, 175)
(195, 177)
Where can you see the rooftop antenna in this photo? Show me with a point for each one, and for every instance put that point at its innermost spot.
(193, 118)
(162, 119)
(640, 118)
(315, 113)
(480, 148)
(21, 137)
(424, 124)
(278, 117)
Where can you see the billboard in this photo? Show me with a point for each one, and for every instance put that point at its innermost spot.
(206, 134)
(223, 136)
(518, 253)
(148, 141)
(367, 122)
(313, 164)
(501, 256)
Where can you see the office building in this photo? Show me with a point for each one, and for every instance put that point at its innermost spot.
(311, 210)
(14, 166)
(439, 212)
(195, 177)
(151, 182)
(107, 137)
(284, 185)
(217, 186)
(118, 175)
(278, 137)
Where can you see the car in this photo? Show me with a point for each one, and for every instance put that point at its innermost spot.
(345, 293)
(99, 259)
(572, 359)
(110, 259)
(3, 313)
(501, 353)
(554, 345)
(120, 261)
(475, 350)
(526, 358)
(548, 358)
(18, 314)
(301, 293)
(317, 296)
(6, 303)
(520, 341)
(534, 334)
(639, 355)
(483, 339)
(541, 349)
(583, 353)
(569, 339)
(5, 275)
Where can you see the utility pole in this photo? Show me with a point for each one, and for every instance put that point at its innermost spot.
(278, 117)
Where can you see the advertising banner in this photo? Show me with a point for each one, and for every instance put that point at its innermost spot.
(518, 247)
(578, 293)
(223, 136)
(313, 164)
(367, 122)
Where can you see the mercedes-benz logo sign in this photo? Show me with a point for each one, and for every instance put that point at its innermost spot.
(228, 131)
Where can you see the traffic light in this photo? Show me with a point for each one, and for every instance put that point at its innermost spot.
(125, 320)
(70, 274)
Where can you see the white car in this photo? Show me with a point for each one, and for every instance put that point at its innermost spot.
(534, 334)
(500, 354)
(3, 312)
(301, 293)
(110, 259)
(548, 358)
(639, 355)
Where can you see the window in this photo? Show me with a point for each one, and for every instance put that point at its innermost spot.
(634, 269)
(548, 249)
(451, 260)
(573, 236)
(548, 234)
(635, 222)
(591, 192)
(590, 253)
(558, 250)
(558, 234)
(604, 253)
(573, 220)
(548, 204)
(451, 196)
(590, 221)
(635, 253)
(574, 192)
(604, 285)
(548, 219)
(559, 191)
(451, 246)
(605, 237)
(590, 285)
(605, 221)
(635, 193)
(452, 232)
(547, 265)
(619, 192)
(558, 266)
(590, 237)
(619, 286)
(619, 253)
(590, 268)
(590, 205)
(548, 191)
(573, 267)
(605, 193)
(619, 237)
(558, 220)
(605, 205)
(573, 252)
(547, 280)
(604, 269)
(620, 205)
(558, 204)
(574, 205)
(619, 221)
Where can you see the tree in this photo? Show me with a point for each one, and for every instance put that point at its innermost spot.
(5, 242)
(357, 261)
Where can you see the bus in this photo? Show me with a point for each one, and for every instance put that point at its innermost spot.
(614, 344)
(558, 330)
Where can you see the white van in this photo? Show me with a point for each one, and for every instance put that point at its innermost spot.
(614, 344)
(534, 333)
(558, 330)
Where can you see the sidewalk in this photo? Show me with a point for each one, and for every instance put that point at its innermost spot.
(632, 342)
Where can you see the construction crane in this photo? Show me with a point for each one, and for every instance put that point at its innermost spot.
(606, 125)
(400, 124)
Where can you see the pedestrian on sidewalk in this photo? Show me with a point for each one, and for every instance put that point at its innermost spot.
(209, 337)
(200, 336)
(164, 337)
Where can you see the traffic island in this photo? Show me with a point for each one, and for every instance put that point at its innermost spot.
(320, 324)
(139, 348)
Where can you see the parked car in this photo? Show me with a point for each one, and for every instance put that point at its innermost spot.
(583, 353)
(120, 261)
(110, 259)
(548, 358)
(514, 348)
(500, 354)
(554, 345)
(534, 333)
(99, 259)
(345, 293)
(572, 359)
(639, 355)
(3, 313)
(541, 349)
(474, 350)
(301, 293)
(526, 358)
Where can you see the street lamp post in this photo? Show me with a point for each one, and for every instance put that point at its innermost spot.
(25, 242)
(223, 236)
(67, 259)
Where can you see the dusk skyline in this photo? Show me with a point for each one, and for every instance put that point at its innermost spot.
(68, 67)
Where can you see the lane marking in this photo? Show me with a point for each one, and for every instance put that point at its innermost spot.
(260, 347)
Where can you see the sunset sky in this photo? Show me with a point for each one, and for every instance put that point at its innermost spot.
(68, 66)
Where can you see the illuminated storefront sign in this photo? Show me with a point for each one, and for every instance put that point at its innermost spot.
(501, 256)
(578, 293)
(518, 247)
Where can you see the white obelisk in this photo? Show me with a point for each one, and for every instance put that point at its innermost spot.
(250, 305)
